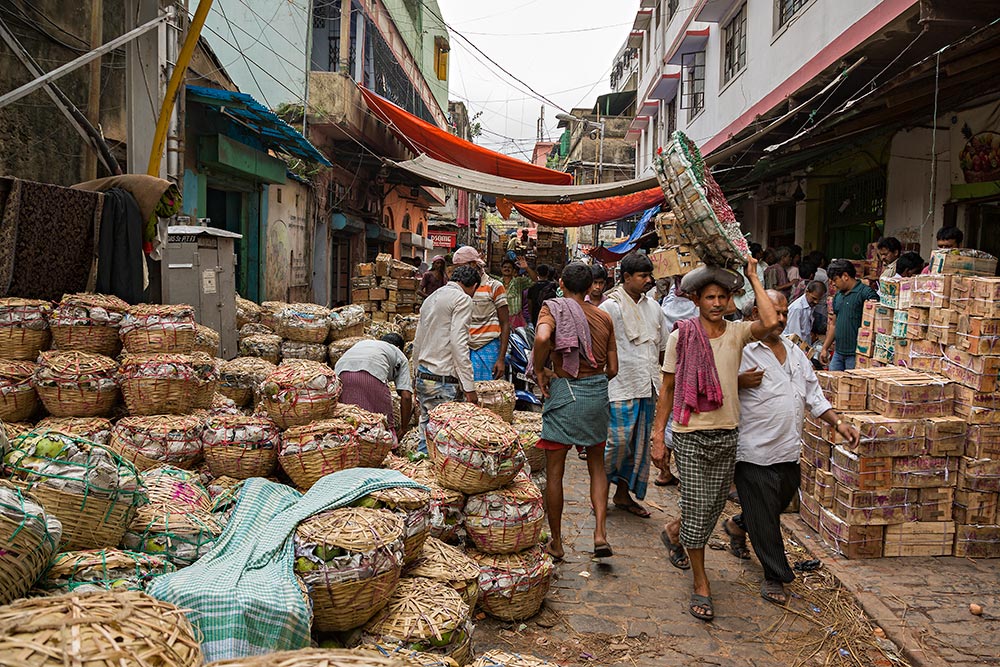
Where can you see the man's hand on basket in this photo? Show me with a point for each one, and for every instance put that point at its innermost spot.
(472, 397)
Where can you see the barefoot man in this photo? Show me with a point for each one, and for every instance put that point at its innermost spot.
(574, 357)
(703, 363)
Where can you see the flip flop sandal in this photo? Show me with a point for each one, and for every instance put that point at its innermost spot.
(774, 592)
(737, 543)
(677, 555)
(603, 551)
(733, 497)
(703, 602)
(673, 482)
(634, 508)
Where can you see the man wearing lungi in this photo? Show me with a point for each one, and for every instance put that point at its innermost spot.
(574, 357)
(489, 325)
(700, 375)
(365, 372)
(641, 337)
(441, 346)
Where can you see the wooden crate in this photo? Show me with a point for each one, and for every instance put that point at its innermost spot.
(931, 291)
(911, 395)
(924, 356)
(882, 320)
(975, 507)
(920, 538)
(916, 322)
(850, 541)
(979, 474)
(977, 407)
(878, 508)
(363, 282)
(378, 294)
(809, 510)
(962, 262)
(364, 269)
(977, 541)
(359, 295)
(921, 472)
(941, 326)
(976, 296)
(976, 372)
(945, 436)
(935, 504)
(669, 231)
(816, 451)
(807, 477)
(825, 488)
(867, 473)
(886, 436)
(674, 261)
(865, 346)
(847, 392)
(983, 441)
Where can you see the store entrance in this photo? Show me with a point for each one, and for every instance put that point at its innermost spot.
(982, 222)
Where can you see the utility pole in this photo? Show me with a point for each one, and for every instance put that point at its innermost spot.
(145, 83)
(94, 94)
(541, 126)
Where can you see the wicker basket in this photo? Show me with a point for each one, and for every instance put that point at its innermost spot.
(182, 536)
(299, 392)
(497, 396)
(293, 349)
(379, 329)
(351, 559)
(253, 329)
(312, 451)
(264, 346)
(508, 519)
(151, 442)
(247, 312)
(409, 443)
(408, 326)
(425, 615)
(176, 488)
(323, 657)
(14, 429)
(340, 346)
(241, 447)
(471, 448)
(158, 329)
(448, 565)
(269, 313)
(97, 630)
(239, 378)
(409, 657)
(18, 399)
(446, 506)
(92, 490)
(206, 340)
(303, 322)
(498, 658)
(375, 439)
(93, 429)
(168, 384)
(512, 587)
(88, 323)
(413, 505)
(101, 570)
(76, 384)
(347, 322)
(24, 328)
(28, 539)
(529, 430)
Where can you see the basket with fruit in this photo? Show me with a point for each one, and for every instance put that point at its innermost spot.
(446, 506)
(471, 448)
(508, 519)
(375, 438)
(529, 430)
(347, 322)
(497, 396)
(88, 323)
(413, 505)
(247, 312)
(206, 340)
(269, 313)
(264, 346)
(512, 587)
(177, 488)
(101, 570)
(24, 328)
(294, 349)
(241, 446)
(94, 429)
(318, 449)
(299, 392)
(410, 658)
(168, 384)
(303, 322)
(151, 442)
(28, 539)
(76, 384)
(18, 398)
(322, 657)
(448, 565)
(240, 378)
(181, 535)
(158, 329)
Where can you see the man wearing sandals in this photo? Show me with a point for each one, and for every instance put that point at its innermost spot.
(777, 385)
(700, 391)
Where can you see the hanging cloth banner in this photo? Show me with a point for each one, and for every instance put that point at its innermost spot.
(592, 211)
(424, 138)
(616, 252)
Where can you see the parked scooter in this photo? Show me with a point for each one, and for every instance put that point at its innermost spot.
(528, 395)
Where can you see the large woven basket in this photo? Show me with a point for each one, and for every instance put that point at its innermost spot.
(497, 396)
(14, 429)
(239, 378)
(28, 539)
(508, 519)
(76, 384)
(446, 506)
(529, 431)
(92, 490)
(299, 392)
(425, 615)
(322, 657)
(347, 322)
(253, 329)
(241, 446)
(375, 438)
(410, 657)
(97, 630)
(408, 326)
(247, 312)
(498, 658)
(101, 570)
(379, 329)
(182, 536)
(350, 558)
(293, 349)
(18, 399)
(413, 505)
(303, 322)
(168, 384)
(471, 448)
(264, 346)
(176, 488)
(512, 587)
(206, 340)
(269, 313)
(158, 440)
(340, 346)
(158, 329)
(448, 565)
(24, 328)
(94, 429)
(312, 451)
(88, 323)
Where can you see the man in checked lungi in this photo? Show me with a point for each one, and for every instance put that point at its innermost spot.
(574, 357)
(365, 372)
(699, 389)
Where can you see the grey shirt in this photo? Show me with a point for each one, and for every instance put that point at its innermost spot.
(382, 360)
(441, 344)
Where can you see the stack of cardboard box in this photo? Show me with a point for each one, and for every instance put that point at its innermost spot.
(385, 288)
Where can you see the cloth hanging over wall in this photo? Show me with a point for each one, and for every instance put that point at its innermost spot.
(591, 212)
(120, 258)
(156, 197)
(424, 138)
(616, 252)
(48, 239)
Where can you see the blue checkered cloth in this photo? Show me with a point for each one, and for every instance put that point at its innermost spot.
(484, 359)
(627, 457)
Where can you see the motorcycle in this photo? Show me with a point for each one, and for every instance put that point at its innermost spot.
(527, 394)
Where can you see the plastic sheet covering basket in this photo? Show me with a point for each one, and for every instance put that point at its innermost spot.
(375, 439)
(408, 326)
(28, 539)
(240, 378)
(293, 349)
(18, 398)
(206, 340)
(350, 558)
(265, 346)
(241, 446)
(529, 430)
(512, 587)
(699, 205)
(158, 328)
(303, 322)
(472, 449)
(412, 658)
(321, 657)
(94, 429)
(413, 505)
(498, 658)
(88, 323)
(508, 519)
(76, 384)
(101, 570)
(92, 490)
(182, 536)
(310, 452)
(299, 392)
(425, 615)
(97, 630)
(177, 488)
(448, 565)
(340, 346)
(24, 328)
(379, 329)
(168, 384)
(497, 396)
(247, 312)
(151, 442)
(253, 329)
(347, 322)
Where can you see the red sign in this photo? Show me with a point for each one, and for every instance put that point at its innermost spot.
(444, 239)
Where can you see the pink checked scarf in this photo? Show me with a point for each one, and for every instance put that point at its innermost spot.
(696, 380)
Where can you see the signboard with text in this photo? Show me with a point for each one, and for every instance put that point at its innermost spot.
(444, 239)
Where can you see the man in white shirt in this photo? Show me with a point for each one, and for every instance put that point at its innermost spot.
(365, 372)
(640, 338)
(441, 346)
(777, 384)
(801, 313)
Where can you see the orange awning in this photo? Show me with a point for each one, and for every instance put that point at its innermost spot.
(424, 138)
(592, 211)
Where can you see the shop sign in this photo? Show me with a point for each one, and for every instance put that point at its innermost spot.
(444, 239)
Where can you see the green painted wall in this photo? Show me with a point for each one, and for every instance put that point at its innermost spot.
(419, 25)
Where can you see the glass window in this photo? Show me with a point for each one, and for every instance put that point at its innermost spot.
(787, 9)
(734, 45)
(693, 83)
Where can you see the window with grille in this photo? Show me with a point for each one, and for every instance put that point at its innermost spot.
(786, 9)
(693, 84)
(671, 8)
(734, 45)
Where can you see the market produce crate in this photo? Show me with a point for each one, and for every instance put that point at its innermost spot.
(896, 292)
(963, 261)
(669, 231)
(923, 356)
(885, 436)
(945, 436)
(825, 488)
(979, 541)
(878, 508)
(983, 441)
(916, 322)
(919, 538)
(975, 507)
(918, 472)
(846, 392)
(861, 472)
(931, 291)
(977, 372)
(935, 504)
(977, 407)
(942, 325)
(809, 509)
(674, 261)
(979, 474)
(850, 540)
(916, 395)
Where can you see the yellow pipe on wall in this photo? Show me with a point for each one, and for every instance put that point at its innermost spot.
(176, 78)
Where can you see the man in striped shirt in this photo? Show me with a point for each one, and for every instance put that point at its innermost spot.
(489, 326)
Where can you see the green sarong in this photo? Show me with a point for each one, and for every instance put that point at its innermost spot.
(576, 411)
